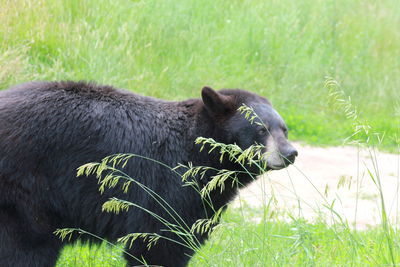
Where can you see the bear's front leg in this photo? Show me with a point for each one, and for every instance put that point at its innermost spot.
(21, 245)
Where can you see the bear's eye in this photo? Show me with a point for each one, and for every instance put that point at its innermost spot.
(285, 132)
(262, 131)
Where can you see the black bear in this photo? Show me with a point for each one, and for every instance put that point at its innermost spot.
(49, 129)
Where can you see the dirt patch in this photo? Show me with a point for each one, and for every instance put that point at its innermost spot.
(338, 175)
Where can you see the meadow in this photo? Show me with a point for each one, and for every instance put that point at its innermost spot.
(284, 50)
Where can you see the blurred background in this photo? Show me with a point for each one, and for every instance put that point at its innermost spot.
(284, 50)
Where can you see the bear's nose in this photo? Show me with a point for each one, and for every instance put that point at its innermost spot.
(293, 153)
(290, 155)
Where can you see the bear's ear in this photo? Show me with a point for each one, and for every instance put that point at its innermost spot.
(216, 102)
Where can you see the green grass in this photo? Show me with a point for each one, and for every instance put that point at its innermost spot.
(82, 254)
(243, 242)
(283, 50)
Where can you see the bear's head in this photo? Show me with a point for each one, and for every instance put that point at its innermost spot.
(270, 131)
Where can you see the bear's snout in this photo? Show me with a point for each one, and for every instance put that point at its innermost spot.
(289, 155)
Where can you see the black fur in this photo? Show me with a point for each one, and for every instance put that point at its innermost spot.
(49, 129)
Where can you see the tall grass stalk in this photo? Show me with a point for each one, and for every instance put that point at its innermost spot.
(369, 139)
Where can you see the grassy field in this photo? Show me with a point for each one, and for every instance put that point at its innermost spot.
(243, 242)
(284, 50)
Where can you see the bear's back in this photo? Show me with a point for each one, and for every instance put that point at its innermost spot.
(41, 121)
(87, 91)
(54, 119)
